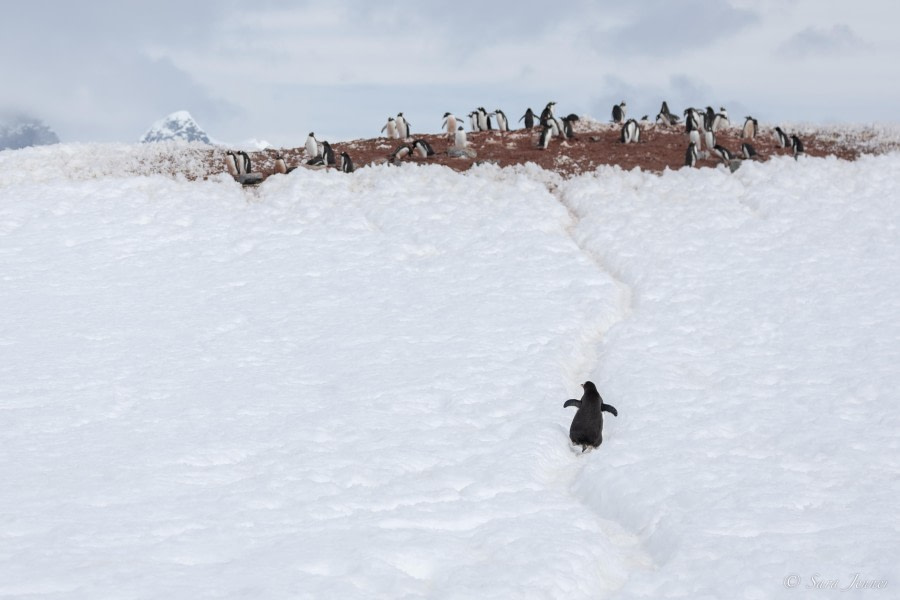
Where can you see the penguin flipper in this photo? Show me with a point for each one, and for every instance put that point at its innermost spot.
(572, 402)
(610, 409)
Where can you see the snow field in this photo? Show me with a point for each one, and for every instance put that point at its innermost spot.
(352, 385)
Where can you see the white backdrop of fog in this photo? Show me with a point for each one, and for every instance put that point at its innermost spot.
(105, 71)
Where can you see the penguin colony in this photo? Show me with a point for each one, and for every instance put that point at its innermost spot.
(700, 129)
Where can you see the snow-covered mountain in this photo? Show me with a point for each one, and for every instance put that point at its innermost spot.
(179, 125)
(21, 132)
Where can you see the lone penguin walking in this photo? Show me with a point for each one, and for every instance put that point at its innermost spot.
(587, 425)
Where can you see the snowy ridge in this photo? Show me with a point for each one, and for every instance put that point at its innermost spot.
(352, 385)
(179, 126)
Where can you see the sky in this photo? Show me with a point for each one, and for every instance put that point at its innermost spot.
(98, 71)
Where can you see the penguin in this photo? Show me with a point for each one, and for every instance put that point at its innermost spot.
(400, 153)
(243, 163)
(665, 117)
(694, 138)
(529, 118)
(796, 146)
(482, 120)
(691, 156)
(631, 133)
(346, 163)
(618, 112)
(547, 113)
(502, 121)
(708, 118)
(710, 139)
(312, 146)
(724, 153)
(720, 120)
(459, 139)
(558, 128)
(546, 134)
(751, 128)
(281, 166)
(748, 151)
(327, 154)
(567, 125)
(554, 125)
(692, 119)
(231, 164)
(316, 161)
(587, 425)
(781, 138)
(390, 128)
(473, 121)
(402, 126)
(423, 148)
(450, 123)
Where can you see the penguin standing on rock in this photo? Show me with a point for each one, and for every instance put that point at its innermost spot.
(547, 113)
(631, 133)
(529, 118)
(346, 163)
(312, 146)
(390, 128)
(546, 134)
(749, 151)
(450, 123)
(781, 138)
(231, 164)
(751, 128)
(618, 112)
(691, 156)
(328, 154)
(587, 426)
(402, 126)
(796, 146)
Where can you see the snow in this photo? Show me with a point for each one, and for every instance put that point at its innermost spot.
(352, 385)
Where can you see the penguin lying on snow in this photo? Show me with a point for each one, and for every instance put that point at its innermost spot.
(587, 426)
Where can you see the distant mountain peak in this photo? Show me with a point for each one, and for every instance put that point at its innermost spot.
(179, 125)
(21, 131)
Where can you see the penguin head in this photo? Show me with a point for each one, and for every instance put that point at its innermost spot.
(311, 134)
(446, 114)
(590, 388)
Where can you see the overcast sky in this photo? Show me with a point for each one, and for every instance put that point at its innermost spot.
(106, 70)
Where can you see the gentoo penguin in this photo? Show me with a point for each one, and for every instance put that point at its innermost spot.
(618, 112)
(346, 163)
(781, 138)
(402, 126)
(665, 117)
(316, 161)
(587, 425)
(691, 156)
(243, 163)
(708, 118)
(751, 128)
(481, 119)
(423, 148)
(281, 166)
(631, 133)
(567, 125)
(328, 154)
(710, 139)
(529, 118)
(231, 163)
(723, 153)
(546, 134)
(748, 151)
(502, 122)
(796, 146)
(400, 153)
(459, 139)
(450, 123)
(390, 128)
(312, 146)
(547, 113)
(720, 120)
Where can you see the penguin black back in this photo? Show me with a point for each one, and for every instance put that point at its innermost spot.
(587, 425)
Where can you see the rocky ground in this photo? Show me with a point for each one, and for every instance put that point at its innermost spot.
(595, 144)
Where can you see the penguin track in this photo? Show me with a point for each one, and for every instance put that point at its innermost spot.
(633, 553)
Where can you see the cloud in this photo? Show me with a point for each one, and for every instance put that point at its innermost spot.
(669, 29)
(813, 41)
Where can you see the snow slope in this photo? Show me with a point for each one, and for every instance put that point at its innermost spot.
(352, 385)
